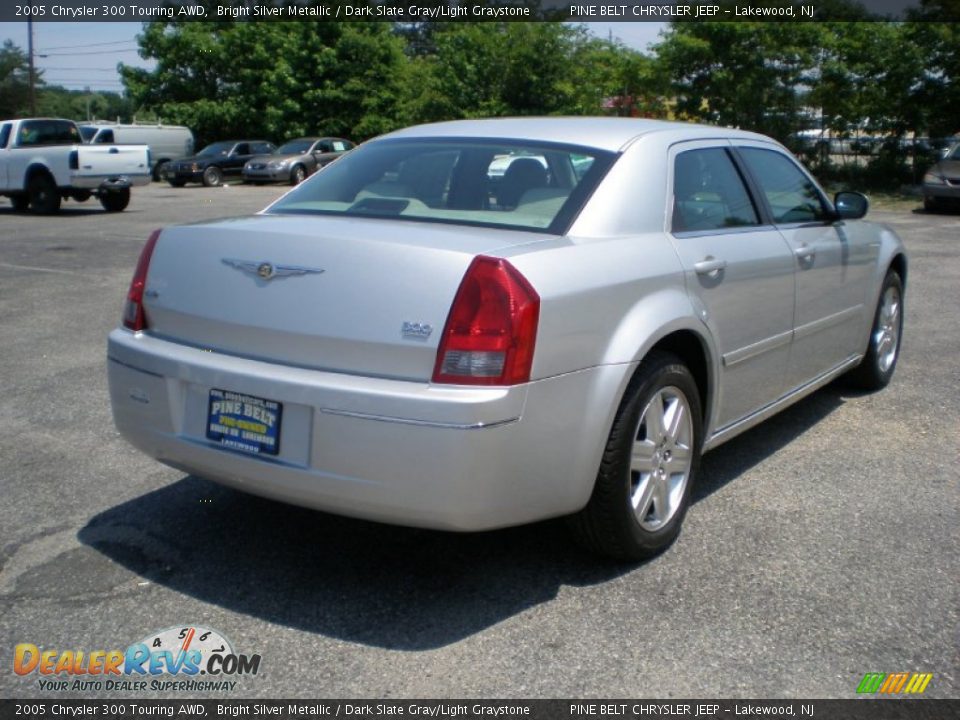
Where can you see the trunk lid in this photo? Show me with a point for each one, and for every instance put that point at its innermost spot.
(340, 296)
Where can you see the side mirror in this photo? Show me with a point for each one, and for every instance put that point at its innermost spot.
(850, 205)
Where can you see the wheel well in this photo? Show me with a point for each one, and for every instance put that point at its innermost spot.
(688, 346)
(32, 172)
(899, 263)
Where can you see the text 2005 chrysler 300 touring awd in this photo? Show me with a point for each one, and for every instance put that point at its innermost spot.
(477, 324)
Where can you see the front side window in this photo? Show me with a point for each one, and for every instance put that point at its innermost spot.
(792, 196)
(294, 147)
(215, 149)
(105, 137)
(708, 192)
(464, 181)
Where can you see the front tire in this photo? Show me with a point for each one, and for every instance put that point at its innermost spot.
(298, 174)
(115, 200)
(212, 176)
(876, 369)
(44, 197)
(649, 465)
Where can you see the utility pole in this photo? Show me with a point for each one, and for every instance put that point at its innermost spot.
(33, 75)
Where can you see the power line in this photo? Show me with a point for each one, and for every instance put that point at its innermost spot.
(86, 45)
(91, 52)
(64, 68)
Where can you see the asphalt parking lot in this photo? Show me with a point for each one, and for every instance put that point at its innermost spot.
(821, 546)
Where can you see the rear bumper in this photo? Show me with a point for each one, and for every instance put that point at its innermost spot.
(106, 183)
(453, 458)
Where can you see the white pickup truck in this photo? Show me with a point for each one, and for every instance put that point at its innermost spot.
(44, 161)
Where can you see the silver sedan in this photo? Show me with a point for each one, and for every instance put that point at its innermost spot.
(413, 338)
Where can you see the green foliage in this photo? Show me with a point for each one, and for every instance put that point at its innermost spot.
(274, 79)
(495, 69)
(14, 81)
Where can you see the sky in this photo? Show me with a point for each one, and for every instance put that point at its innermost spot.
(85, 54)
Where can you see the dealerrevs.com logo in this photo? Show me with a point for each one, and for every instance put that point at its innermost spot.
(190, 659)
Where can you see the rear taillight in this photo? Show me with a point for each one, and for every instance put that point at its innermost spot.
(133, 316)
(492, 327)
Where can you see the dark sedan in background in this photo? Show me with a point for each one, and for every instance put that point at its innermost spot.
(216, 161)
(295, 160)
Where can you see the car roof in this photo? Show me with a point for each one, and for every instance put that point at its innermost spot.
(603, 133)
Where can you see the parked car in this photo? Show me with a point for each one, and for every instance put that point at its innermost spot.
(165, 141)
(215, 162)
(293, 161)
(941, 183)
(43, 161)
(394, 340)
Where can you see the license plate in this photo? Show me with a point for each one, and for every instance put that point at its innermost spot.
(244, 422)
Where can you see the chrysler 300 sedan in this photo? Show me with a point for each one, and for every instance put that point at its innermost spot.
(401, 339)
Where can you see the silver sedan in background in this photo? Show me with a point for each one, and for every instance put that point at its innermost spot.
(293, 161)
(411, 338)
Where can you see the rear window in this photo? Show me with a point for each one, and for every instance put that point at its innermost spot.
(47, 132)
(501, 183)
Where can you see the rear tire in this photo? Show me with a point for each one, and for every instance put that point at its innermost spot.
(876, 369)
(115, 200)
(212, 176)
(649, 465)
(44, 196)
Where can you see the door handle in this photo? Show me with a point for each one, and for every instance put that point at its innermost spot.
(710, 266)
(804, 252)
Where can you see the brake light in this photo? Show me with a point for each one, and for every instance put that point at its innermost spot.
(133, 316)
(492, 327)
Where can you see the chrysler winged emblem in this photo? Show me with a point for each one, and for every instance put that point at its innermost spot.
(268, 271)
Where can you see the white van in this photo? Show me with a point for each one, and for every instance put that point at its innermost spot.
(166, 142)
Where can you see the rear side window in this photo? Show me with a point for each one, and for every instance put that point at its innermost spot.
(47, 132)
(4, 134)
(263, 148)
(478, 181)
(792, 196)
(708, 192)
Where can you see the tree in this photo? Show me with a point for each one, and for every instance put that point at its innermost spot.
(495, 69)
(14, 81)
(741, 74)
(271, 79)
